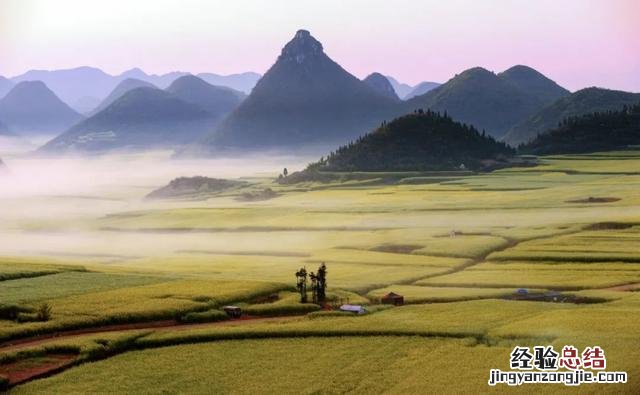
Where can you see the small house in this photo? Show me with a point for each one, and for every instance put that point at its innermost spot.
(392, 298)
(353, 308)
(232, 311)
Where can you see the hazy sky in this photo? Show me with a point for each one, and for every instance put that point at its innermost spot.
(578, 43)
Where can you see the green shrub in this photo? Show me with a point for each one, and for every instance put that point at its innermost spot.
(44, 312)
(11, 312)
(204, 316)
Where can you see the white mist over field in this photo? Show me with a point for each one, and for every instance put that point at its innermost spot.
(48, 204)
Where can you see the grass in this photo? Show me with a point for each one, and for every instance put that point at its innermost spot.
(58, 285)
(361, 365)
(166, 300)
(557, 278)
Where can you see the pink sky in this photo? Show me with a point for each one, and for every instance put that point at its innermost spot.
(578, 43)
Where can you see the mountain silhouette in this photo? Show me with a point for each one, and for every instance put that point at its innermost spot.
(381, 84)
(32, 108)
(534, 83)
(216, 100)
(481, 98)
(122, 88)
(304, 98)
(142, 118)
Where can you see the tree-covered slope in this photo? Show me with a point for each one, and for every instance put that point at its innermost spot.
(418, 141)
(600, 131)
(582, 102)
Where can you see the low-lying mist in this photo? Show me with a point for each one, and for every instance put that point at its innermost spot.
(45, 203)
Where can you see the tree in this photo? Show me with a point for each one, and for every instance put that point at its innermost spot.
(285, 172)
(301, 284)
(322, 283)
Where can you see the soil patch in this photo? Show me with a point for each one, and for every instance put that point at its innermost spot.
(36, 367)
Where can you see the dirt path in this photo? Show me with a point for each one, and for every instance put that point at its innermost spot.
(20, 344)
(28, 369)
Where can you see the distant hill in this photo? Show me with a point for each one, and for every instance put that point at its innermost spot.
(122, 88)
(381, 84)
(304, 98)
(603, 131)
(481, 98)
(582, 102)
(142, 118)
(75, 86)
(243, 82)
(70, 85)
(217, 100)
(194, 188)
(421, 89)
(158, 80)
(402, 89)
(534, 83)
(32, 108)
(86, 104)
(420, 141)
(5, 86)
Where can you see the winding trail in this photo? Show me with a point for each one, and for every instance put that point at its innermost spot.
(157, 326)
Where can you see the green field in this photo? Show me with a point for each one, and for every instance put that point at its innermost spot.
(456, 248)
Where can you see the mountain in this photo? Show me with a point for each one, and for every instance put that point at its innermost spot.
(424, 141)
(142, 118)
(122, 88)
(381, 84)
(159, 80)
(31, 107)
(5, 86)
(243, 82)
(421, 89)
(481, 98)
(582, 102)
(304, 98)
(73, 84)
(216, 100)
(86, 104)
(535, 83)
(599, 131)
(401, 88)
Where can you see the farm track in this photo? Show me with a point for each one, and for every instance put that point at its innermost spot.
(159, 326)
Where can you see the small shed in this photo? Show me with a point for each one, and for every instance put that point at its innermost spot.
(353, 308)
(392, 298)
(232, 311)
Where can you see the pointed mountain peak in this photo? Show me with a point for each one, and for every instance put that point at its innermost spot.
(301, 46)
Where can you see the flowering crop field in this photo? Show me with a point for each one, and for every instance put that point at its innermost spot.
(458, 249)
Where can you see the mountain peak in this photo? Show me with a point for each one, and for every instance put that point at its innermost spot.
(301, 46)
(381, 84)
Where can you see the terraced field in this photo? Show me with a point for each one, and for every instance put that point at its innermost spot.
(459, 249)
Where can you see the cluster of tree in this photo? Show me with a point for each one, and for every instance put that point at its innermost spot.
(318, 284)
(423, 140)
(598, 131)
